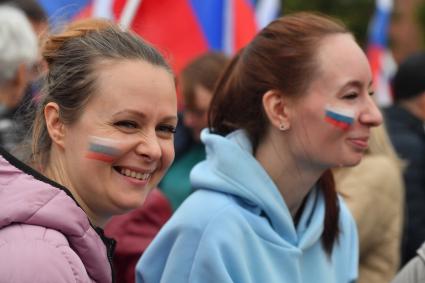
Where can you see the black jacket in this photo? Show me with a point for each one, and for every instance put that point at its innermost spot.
(407, 134)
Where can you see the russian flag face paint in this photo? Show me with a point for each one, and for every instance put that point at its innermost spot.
(103, 149)
(339, 117)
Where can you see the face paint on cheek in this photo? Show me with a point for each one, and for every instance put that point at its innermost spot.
(339, 117)
(103, 149)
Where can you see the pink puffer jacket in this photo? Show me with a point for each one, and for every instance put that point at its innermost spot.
(44, 235)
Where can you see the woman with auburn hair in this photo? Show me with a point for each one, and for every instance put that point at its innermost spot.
(290, 106)
(102, 139)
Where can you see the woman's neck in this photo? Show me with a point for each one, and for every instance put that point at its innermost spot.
(56, 171)
(293, 178)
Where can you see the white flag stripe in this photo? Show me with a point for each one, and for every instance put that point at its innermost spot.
(266, 11)
(129, 12)
(103, 9)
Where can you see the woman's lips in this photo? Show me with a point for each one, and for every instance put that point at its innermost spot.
(361, 143)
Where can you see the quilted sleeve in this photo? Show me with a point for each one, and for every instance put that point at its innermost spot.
(34, 254)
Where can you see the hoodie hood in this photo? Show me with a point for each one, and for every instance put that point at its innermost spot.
(231, 168)
(28, 197)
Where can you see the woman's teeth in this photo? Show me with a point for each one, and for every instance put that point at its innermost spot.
(134, 174)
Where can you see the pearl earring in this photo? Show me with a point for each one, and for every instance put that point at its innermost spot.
(283, 127)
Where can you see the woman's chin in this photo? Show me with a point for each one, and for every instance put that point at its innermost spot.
(350, 163)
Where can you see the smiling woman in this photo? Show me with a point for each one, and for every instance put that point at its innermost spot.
(101, 141)
(136, 113)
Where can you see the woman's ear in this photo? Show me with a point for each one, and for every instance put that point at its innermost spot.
(54, 125)
(276, 109)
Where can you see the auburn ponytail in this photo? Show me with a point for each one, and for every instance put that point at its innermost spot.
(331, 230)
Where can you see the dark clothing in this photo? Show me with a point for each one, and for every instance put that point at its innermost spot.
(183, 140)
(407, 134)
(15, 124)
(9, 129)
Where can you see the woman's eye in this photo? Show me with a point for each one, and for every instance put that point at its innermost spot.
(350, 96)
(167, 129)
(126, 124)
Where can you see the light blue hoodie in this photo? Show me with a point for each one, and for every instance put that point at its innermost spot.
(236, 227)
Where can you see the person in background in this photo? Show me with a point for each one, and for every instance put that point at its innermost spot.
(18, 54)
(102, 139)
(39, 21)
(405, 123)
(414, 270)
(374, 193)
(289, 107)
(20, 114)
(196, 81)
(34, 12)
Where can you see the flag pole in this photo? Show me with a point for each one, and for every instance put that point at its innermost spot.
(128, 13)
(266, 11)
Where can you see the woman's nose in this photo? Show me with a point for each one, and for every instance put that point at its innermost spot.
(371, 115)
(149, 147)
